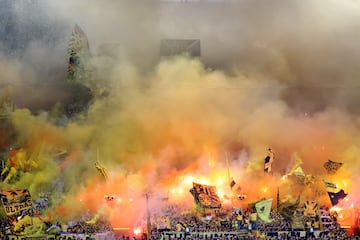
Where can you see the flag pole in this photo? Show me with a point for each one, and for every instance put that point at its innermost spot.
(148, 224)
(229, 178)
(318, 193)
(277, 199)
(227, 165)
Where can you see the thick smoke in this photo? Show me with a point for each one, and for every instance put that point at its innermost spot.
(272, 74)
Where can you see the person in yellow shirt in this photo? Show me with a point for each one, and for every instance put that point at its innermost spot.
(239, 219)
(253, 218)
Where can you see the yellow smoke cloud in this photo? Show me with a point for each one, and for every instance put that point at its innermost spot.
(157, 129)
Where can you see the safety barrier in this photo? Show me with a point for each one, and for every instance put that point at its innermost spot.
(61, 237)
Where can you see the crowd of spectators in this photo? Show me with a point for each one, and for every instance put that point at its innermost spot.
(245, 224)
(83, 227)
(224, 224)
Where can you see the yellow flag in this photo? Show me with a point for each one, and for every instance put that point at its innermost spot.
(263, 209)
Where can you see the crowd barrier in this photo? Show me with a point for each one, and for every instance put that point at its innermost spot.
(172, 235)
(98, 236)
(204, 234)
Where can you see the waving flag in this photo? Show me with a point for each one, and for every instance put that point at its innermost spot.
(205, 196)
(235, 187)
(335, 194)
(287, 209)
(268, 161)
(332, 166)
(299, 172)
(309, 179)
(252, 204)
(310, 208)
(263, 209)
(101, 169)
(335, 197)
(78, 54)
(330, 186)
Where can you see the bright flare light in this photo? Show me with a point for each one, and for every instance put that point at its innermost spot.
(188, 179)
(177, 191)
(211, 163)
(220, 181)
(203, 181)
(220, 194)
(137, 231)
(335, 208)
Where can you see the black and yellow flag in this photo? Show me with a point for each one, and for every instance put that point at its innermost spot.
(310, 208)
(332, 166)
(335, 194)
(205, 196)
(287, 209)
(268, 161)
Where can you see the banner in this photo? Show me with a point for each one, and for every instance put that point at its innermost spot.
(16, 202)
(310, 208)
(205, 196)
